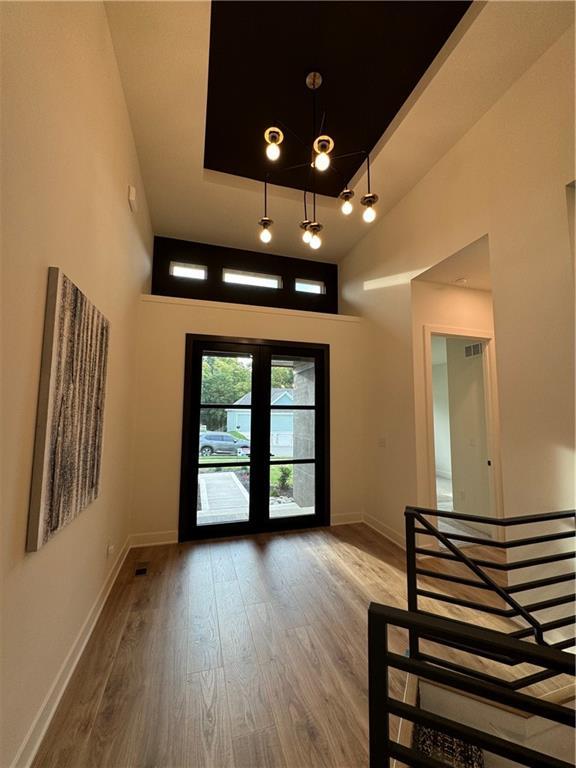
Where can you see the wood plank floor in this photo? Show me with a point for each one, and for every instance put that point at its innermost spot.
(244, 653)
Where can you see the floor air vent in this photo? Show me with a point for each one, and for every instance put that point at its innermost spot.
(141, 569)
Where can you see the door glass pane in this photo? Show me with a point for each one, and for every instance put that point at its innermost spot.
(226, 378)
(223, 495)
(292, 434)
(224, 435)
(293, 380)
(292, 490)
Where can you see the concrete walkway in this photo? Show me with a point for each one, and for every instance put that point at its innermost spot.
(223, 498)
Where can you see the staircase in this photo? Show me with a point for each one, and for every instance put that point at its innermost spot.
(495, 687)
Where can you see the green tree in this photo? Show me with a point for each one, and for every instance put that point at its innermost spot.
(282, 377)
(224, 380)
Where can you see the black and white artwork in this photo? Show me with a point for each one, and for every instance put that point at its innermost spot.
(70, 417)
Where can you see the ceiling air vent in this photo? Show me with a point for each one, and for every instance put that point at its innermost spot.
(473, 350)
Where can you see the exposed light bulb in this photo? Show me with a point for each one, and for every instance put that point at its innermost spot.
(272, 151)
(306, 236)
(346, 207)
(369, 214)
(315, 242)
(273, 137)
(322, 161)
(265, 235)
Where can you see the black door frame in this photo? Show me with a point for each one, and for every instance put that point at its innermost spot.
(262, 351)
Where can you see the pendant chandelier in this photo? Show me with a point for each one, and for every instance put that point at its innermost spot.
(321, 157)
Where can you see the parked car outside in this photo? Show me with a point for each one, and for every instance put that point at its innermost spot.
(223, 443)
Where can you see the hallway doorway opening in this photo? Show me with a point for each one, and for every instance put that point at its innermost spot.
(463, 443)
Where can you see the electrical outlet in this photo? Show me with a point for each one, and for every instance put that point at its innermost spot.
(110, 549)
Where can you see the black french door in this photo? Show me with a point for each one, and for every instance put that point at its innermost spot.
(255, 437)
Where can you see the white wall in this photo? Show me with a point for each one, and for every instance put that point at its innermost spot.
(67, 159)
(506, 178)
(162, 327)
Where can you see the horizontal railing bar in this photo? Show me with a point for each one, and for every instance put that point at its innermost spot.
(463, 647)
(546, 560)
(276, 462)
(568, 643)
(413, 758)
(516, 565)
(490, 691)
(498, 544)
(453, 579)
(493, 744)
(457, 537)
(465, 670)
(479, 638)
(506, 612)
(427, 552)
(553, 602)
(503, 522)
(526, 585)
(537, 677)
(547, 627)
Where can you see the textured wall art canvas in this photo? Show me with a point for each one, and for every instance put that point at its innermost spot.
(70, 417)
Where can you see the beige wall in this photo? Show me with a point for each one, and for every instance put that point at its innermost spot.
(162, 326)
(68, 157)
(506, 178)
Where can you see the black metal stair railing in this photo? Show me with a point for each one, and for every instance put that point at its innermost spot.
(418, 523)
(481, 642)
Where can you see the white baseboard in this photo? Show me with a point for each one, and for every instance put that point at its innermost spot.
(153, 539)
(385, 530)
(346, 519)
(37, 730)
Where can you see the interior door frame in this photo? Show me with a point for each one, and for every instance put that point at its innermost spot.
(262, 350)
(491, 405)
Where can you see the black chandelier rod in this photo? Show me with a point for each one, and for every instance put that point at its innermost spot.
(368, 170)
(287, 129)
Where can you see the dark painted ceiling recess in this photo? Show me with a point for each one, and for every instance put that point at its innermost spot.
(371, 55)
